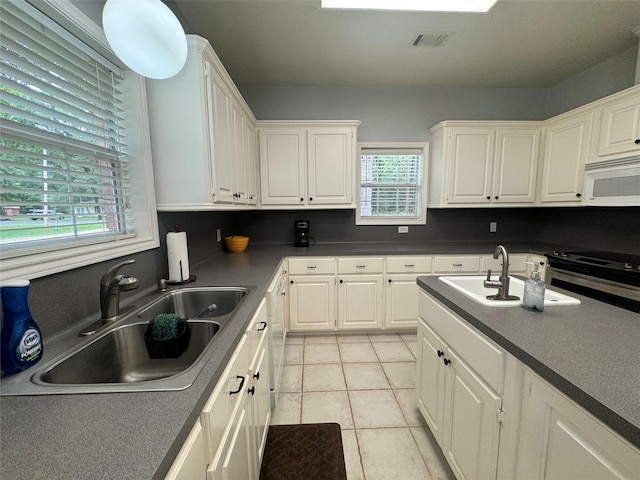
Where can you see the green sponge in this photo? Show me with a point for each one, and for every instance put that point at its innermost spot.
(164, 326)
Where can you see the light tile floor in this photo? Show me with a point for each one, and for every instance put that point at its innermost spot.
(366, 384)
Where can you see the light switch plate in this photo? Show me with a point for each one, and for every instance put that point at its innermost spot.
(403, 229)
(493, 227)
(218, 235)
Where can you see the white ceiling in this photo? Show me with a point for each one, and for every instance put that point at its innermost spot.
(516, 44)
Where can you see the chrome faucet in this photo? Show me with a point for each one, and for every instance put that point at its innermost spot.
(111, 285)
(502, 284)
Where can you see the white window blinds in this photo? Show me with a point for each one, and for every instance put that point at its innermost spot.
(63, 168)
(391, 182)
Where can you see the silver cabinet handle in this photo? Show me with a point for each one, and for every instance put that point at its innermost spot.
(361, 266)
(409, 265)
(311, 267)
(457, 265)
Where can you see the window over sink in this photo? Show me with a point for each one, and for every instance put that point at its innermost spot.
(392, 184)
(75, 162)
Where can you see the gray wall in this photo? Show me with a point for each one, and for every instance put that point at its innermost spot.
(395, 114)
(610, 76)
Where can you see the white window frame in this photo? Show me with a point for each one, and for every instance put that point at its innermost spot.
(41, 261)
(422, 219)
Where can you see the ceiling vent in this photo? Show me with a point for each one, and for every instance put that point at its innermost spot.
(430, 39)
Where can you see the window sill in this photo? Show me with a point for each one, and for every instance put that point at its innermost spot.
(47, 263)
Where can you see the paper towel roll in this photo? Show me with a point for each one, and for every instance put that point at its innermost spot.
(178, 256)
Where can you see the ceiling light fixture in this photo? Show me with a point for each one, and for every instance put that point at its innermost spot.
(146, 36)
(481, 6)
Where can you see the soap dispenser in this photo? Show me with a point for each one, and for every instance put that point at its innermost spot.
(534, 288)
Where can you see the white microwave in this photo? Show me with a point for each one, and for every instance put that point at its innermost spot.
(612, 183)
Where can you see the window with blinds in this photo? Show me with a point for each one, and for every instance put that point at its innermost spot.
(391, 184)
(63, 169)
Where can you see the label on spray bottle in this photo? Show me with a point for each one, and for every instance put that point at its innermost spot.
(30, 346)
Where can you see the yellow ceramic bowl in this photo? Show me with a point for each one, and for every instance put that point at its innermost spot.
(236, 243)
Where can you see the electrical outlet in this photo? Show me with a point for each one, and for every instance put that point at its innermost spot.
(403, 229)
(493, 227)
(218, 235)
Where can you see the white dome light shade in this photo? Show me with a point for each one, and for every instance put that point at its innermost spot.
(146, 36)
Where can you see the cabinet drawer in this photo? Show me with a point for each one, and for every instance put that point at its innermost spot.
(458, 264)
(484, 356)
(311, 266)
(516, 264)
(408, 264)
(361, 265)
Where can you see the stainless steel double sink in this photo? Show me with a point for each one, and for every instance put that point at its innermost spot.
(116, 359)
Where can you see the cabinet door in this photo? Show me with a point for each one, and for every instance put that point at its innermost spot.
(312, 302)
(330, 165)
(620, 131)
(401, 301)
(283, 173)
(190, 464)
(560, 441)
(565, 154)
(430, 378)
(237, 460)
(470, 163)
(471, 421)
(261, 398)
(360, 301)
(223, 147)
(516, 166)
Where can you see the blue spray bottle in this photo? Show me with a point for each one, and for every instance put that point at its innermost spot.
(20, 340)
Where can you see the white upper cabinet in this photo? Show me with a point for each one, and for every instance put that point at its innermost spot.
(200, 136)
(483, 163)
(307, 164)
(620, 127)
(567, 140)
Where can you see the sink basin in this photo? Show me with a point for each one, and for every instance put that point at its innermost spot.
(192, 302)
(121, 356)
(115, 359)
(472, 286)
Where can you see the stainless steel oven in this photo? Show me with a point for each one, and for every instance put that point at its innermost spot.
(610, 277)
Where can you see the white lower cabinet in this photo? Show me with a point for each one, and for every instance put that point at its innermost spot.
(191, 461)
(460, 386)
(312, 293)
(312, 301)
(259, 387)
(401, 301)
(228, 441)
(494, 418)
(360, 293)
(559, 440)
(401, 295)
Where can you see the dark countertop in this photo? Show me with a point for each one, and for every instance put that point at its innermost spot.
(137, 435)
(588, 351)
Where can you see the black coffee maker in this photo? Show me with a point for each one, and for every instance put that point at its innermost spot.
(302, 233)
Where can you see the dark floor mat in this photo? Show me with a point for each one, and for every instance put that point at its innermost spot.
(304, 452)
